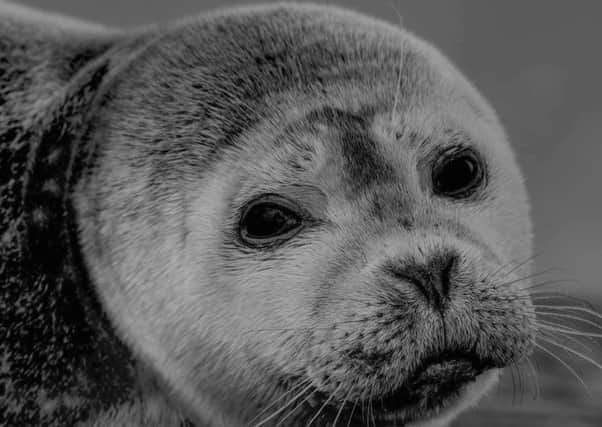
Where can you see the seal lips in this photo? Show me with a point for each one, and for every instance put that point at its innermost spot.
(437, 379)
(435, 383)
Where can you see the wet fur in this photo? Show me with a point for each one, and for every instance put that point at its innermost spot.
(124, 152)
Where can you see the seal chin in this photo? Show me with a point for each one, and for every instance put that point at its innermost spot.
(467, 396)
(440, 384)
(439, 388)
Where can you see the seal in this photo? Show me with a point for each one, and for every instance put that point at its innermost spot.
(276, 215)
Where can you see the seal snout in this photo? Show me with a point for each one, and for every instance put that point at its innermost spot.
(432, 278)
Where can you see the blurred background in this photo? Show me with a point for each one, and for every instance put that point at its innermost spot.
(539, 63)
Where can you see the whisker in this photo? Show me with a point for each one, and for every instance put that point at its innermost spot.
(573, 351)
(516, 267)
(565, 364)
(308, 328)
(279, 398)
(398, 87)
(334, 424)
(535, 378)
(345, 298)
(540, 298)
(351, 414)
(499, 387)
(525, 381)
(544, 295)
(369, 419)
(285, 406)
(549, 283)
(516, 387)
(520, 279)
(371, 406)
(520, 383)
(364, 413)
(324, 404)
(569, 316)
(574, 308)
(513, 385)
(292, 411)
(550, 326)
(573, 340)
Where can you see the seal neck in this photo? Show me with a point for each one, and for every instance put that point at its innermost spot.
(63, 358)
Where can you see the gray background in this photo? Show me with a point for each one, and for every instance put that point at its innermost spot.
(539, 63)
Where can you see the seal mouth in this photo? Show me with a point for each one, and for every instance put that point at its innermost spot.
(438, 379)
(435, 383)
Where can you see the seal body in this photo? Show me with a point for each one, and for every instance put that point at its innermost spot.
(141, 172)
(61, 361)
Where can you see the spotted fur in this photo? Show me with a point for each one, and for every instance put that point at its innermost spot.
(61, 360)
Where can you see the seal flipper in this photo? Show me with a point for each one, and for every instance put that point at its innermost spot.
(60, 361)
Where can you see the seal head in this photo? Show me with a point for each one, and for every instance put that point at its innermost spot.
(300, 203)
(294, 214)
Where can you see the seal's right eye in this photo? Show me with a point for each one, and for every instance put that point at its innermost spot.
(268, 220)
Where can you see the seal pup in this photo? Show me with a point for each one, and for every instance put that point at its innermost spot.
(285, 214)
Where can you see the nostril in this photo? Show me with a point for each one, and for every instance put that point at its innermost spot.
(445, 277)
(408, 275)
(413, 274)
(433, 278)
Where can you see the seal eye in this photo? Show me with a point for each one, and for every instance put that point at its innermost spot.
(267, 220)
(457, 174)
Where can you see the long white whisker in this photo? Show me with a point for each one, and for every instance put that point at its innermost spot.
(513, 269)
(285, 406)
(575, 352)
(523, 381)
(398, 87)
(279, 398)
(336, 419)
(535, 377)
(308, 328)
(551, 295)
(324, 404)
(520, 383)
(351, 414)
(530, 276)
(566, 365)
(572, 339)
(371, 407)
(513, 385)
(566, 281)
(542, 324)
(572, 307)
(364, 412)
(292, 411)
(569, 316)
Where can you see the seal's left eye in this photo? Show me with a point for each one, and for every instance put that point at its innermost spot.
(267, 220)
(458, 174)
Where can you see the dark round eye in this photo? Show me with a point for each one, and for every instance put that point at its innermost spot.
(268, 220)
(457, 174)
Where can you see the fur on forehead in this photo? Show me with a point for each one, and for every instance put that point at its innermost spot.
(211, 79)
(284, 148)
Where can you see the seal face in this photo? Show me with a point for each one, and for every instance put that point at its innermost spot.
(298, 215)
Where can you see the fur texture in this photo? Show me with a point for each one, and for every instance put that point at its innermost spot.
(126, 160)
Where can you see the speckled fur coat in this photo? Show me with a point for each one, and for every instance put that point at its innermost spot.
(59, 359)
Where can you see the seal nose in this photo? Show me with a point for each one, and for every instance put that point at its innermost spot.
(431, 278)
